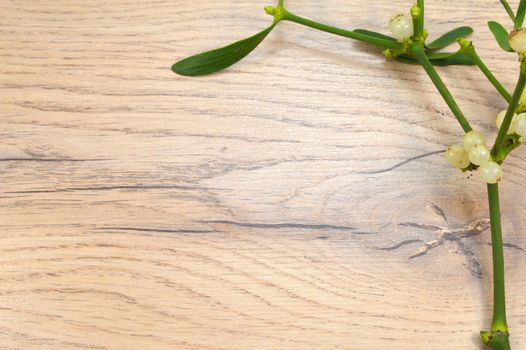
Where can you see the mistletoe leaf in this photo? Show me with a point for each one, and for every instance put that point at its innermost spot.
(215, 60)
(374, 34)
(457, 59)
(441, 59)
(450, 37)
(500, 34)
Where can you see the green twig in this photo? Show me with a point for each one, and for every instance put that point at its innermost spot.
(469, 49)
(418, 51)
(521, 12)
(498, 337)
(508, 9)
(418, 26)
(512, 143)
(384, 43)
(506, 123)
(499, 308)
(420, 4)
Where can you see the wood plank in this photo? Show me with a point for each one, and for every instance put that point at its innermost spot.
(298, 200)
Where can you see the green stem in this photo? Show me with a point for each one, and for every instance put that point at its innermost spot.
(510, 146)
(418, 23)
(472, 53)
(416, 14)
(499, 295)
(498, 337)
(384, 43)
(521, 11)
(514, 102)
(508, 9)
(418, 51)
(420, 4)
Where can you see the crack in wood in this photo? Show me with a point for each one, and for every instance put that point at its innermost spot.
(51, 160)
(401, 163)
(287, 225)
(445, 234)
(108, 188)
(400, 244)
(157, 230)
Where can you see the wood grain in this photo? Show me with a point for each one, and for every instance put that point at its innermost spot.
(297, 201)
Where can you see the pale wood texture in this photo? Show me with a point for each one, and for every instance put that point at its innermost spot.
(296, 201)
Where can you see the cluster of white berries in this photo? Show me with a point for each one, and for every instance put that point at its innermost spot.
(401, 26)
(474, 151)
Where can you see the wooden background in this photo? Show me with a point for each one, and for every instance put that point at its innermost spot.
(297, 201)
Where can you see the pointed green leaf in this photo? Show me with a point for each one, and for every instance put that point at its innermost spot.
(374, 34)
(500, 34)
(219, 59)
(441, 59)
(440, 55)
(458, 59)
(449, 58)
(381, 40)
(450, 37)
(521, 11)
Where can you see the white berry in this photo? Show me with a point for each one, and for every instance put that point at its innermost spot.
(491, 172)
(401, 25)
(479, 155)
(472, 139)
(500, 119)
(457, 156)
(520, 125)
(517, 40)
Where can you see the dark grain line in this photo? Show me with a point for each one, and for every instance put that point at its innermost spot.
(286, 225)
(471, 262)
(401, 163)
(50, 160)
(85, 346)
(158, 230)
(421, 226)
(514, 246)
(400, 244)
(511, 245)
(108, 188)
(439, 212)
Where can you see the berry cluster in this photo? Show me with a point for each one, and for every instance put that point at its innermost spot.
(474, 151)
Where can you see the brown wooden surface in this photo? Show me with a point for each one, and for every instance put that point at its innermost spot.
(296, 201)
